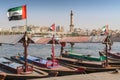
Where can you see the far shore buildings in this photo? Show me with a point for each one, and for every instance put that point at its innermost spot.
(45, 30)
(37, 29)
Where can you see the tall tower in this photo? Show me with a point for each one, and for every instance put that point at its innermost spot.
(71, 22)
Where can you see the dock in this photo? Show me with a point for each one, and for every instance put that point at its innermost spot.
(93, 76)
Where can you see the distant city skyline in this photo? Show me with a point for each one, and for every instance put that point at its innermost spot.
(88, 14)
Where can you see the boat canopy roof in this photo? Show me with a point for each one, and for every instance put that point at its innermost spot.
(45, 40)
(13, 39)
(19, 38)
(83, 39)
(97, 39)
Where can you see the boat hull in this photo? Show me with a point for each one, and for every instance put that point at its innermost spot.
(11, 73)
(114, 55)
(89, 69)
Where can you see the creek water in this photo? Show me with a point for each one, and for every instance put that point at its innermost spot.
(44, 51)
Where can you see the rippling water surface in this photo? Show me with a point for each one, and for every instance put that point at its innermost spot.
(45, 50)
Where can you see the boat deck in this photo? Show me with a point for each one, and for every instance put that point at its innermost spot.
(10, 68)
(9, 63)
(40, 61)
(50, 67)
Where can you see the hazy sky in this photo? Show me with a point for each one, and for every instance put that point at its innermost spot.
(88, 14)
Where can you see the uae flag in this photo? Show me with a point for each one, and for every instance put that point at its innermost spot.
(52, 27)
(105, 29)
(17, 13)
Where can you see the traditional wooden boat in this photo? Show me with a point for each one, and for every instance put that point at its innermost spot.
(48, 66)
(73, 40)
(53, 64)
(114, 55)
(92, 39)
(83, 57)
(90, 67)
(80, 62)
(111, 61)
(88, 61)
(15, 70)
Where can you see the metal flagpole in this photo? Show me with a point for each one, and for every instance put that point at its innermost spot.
(53, 47)
(107, 33)
(106, 53)
(25, 43)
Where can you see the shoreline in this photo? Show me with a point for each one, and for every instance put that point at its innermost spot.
(111, 75)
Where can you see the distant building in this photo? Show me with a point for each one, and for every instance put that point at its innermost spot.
(44, 29)
(71, 22)
(18, 28)
(62, 29)
(35, 29)
(59, 29)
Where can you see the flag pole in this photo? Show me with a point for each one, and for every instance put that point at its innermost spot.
(107, 33)
(53, 47)
(25, 44)
(53, 50)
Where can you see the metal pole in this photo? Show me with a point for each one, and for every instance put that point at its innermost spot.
(61, 51)
(106, 55)
(107, 52)
(53, 53)
(25, 51)
(26, 44)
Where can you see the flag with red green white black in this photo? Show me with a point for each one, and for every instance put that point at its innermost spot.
(52, 27)
(17, 13)
(105, 29)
